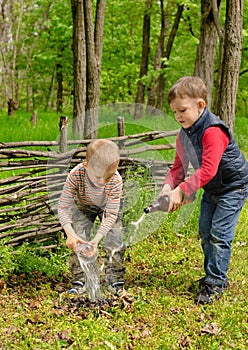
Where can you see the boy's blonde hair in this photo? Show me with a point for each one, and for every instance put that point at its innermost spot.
(193, 87)
(103, 153)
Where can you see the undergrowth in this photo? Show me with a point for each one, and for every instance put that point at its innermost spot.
(156, 313)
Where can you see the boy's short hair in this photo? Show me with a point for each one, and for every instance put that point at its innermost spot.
(103, 153)
(193, 87)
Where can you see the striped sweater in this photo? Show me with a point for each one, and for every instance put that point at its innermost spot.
(80, 190)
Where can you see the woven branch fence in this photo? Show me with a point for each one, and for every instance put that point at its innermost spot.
(31, 180)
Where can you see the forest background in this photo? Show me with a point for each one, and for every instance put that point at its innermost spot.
(136, 43)
(157, 312)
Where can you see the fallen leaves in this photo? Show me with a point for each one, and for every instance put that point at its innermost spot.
(11, 329)
(184, 341)
(31, 312)
(3, 285)
(111, 346)
(74, 304)
(127, 300)
(210, 328)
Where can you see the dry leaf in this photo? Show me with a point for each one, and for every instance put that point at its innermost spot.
(184, 342)
(210, 328)
(111, 346)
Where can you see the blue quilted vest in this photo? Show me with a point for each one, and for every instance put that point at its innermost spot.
(233, 168)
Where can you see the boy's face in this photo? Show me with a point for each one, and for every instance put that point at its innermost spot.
(187, 110)
(98, 176)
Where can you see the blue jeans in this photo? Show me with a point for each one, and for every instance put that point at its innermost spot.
(218, 219)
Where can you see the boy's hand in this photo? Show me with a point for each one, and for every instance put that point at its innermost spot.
(72, 242)
(176, 199)
(90, 250)
(94, 244)
(72, 237)
(166, 188)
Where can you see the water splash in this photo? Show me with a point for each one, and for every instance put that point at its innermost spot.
(92, 278)
(113, 251)
(138, 222)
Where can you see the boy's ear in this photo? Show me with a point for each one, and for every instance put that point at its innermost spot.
(201, 104)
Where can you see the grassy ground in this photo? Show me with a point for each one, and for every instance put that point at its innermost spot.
(156, 312)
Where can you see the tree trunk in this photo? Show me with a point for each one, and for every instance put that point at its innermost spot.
(226, 99)
(166, 56)
(79, 62)
(152, 88)
(59, 70)
(12, 107)
(29, 97)
(15, 51)
(156, 89)
(50, 90)
(34, 118)
(206, 51)
(87, 50)
(94, 39)
(144, 60)
(5, 29)
(92, 69)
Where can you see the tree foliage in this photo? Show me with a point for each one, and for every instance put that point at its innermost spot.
(37, 58)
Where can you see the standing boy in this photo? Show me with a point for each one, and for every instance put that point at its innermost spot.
(93, 189)
(219, 168)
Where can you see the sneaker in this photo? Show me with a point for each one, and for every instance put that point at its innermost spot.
(77, 287)
(116, 287)
(209, 290)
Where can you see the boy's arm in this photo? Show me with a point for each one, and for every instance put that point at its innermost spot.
(96, 240)
(72, 237)
(66, 200)
(214, 143)
(65, 205)
(178, 171)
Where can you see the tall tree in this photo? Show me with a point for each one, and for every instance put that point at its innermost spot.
(157, 85)
(10, 23)
(35, 39)
(230, 64)
(140, 97)
(165, 57)
(79, 67)
(206, 50)
(87, 52)
(59, 71)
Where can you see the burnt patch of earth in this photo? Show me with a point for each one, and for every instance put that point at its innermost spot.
(75, 304)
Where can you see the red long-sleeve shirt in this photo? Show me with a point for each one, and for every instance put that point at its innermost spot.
(214, 143)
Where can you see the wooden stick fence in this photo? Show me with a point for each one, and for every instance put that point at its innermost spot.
(31, 181)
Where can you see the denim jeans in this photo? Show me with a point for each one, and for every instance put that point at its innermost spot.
(218, 219)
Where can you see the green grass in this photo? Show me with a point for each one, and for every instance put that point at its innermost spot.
(240, 133)
(20, 128)
(158, 313)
